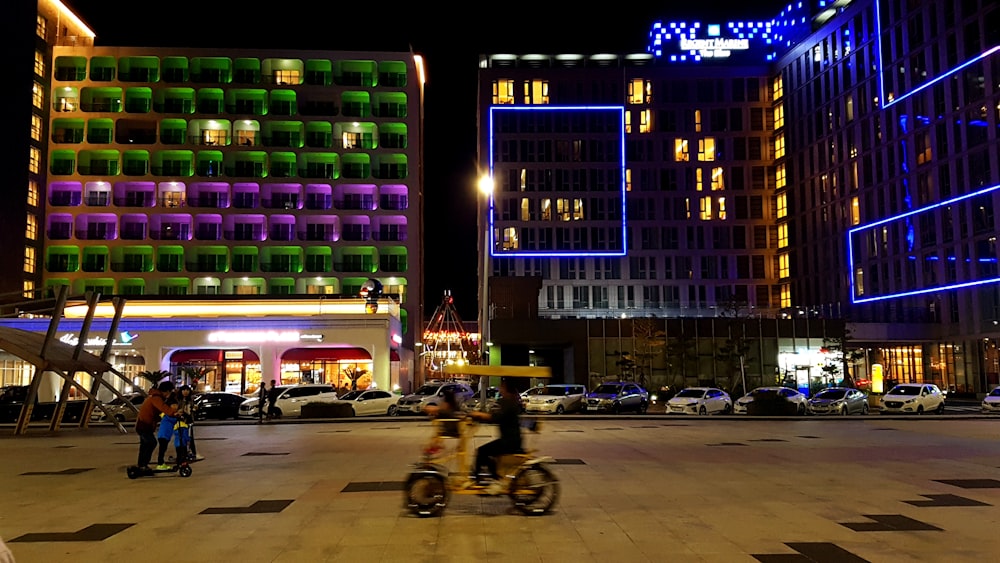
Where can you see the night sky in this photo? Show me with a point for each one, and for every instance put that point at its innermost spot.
(450, 41)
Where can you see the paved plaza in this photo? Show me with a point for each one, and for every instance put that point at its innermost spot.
(633, 489)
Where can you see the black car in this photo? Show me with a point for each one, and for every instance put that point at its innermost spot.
(217, 405)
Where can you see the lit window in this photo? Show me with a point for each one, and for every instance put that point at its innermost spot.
(697, 121)
(645, 121)
(509, 241)
(628, 121)
(628, 179)
(563, 211)
(859, 281)
(578, 209)
(782, 266)
(286, 76)
(781, 205)
(29, 289)
(39, 63)
(639, 91)
(721, 205)
(38, 95)
(41, 26)
(706, 149)
(786, 296)
(698, 179)
(351, 139)
(779, 176)
(681, 150)
(536, 92)
(779, 116)
(546, 209)
(31, 227)
(779, 146)
(849, 109)
(33, 193)
(29, 259)
(778, 87)
(783, 235)
(525, 209)
(34, 158)
(718, 179)
(503, 92)
(855, 211)
(36, 127)
(705, 208)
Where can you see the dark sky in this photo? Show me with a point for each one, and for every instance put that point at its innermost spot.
(450, 41)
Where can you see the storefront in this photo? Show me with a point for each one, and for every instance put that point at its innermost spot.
(235, 344)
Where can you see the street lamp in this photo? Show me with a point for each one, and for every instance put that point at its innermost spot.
(486, 202)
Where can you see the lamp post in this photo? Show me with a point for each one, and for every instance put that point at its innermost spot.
(485, 201)
(484, 232)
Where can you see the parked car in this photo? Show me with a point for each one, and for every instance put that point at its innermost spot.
(772, 400)
(912, 398)
(700, 400)
(492, 396)
(217, 405)
(616, 397)
(373, 402)
(557, 399)
(991, 402)
(119, 409)
(431, 394)
(12, 402)
(839, 400)
(291, 398)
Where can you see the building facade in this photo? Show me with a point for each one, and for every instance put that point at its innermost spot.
(834, 162)
(193, 174)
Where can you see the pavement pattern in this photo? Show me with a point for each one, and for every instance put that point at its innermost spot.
(633, 489)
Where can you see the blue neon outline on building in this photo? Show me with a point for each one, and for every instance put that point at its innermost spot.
(491, 243)
(850, 251)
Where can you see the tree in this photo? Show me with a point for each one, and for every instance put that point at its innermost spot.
(647, 344)
(353, 374)
(155, 377)
(734, 353)
(195, 375)
(680, 355)
(840, 357)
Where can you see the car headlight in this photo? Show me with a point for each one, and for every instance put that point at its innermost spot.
(908, 401)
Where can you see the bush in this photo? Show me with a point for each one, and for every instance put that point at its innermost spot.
(326, 410)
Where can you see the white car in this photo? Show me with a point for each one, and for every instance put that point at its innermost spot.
(991, 403)
(431, 394)
(912, 398)
(700, 400)
(373, 402)
(556, 399)
(291, 398)
(797, 400)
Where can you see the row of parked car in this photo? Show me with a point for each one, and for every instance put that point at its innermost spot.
(609, 397)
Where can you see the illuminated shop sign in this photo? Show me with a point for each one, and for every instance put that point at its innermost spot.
(716, 47)
(243, 336)
(97, 341)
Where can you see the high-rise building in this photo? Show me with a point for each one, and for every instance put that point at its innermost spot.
(36, 26)
(835, 162)
(174, 171)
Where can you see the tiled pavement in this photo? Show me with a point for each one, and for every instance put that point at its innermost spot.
(633, 489)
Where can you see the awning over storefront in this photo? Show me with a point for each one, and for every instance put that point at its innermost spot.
(325, 354)
(212, 355)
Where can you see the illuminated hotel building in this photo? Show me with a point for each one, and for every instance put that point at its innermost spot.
(836, 162)
(233, 173)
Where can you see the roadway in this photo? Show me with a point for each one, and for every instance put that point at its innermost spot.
(633, 488)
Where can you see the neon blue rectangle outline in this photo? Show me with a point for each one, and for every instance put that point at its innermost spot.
(850, 250)
(621, 156)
